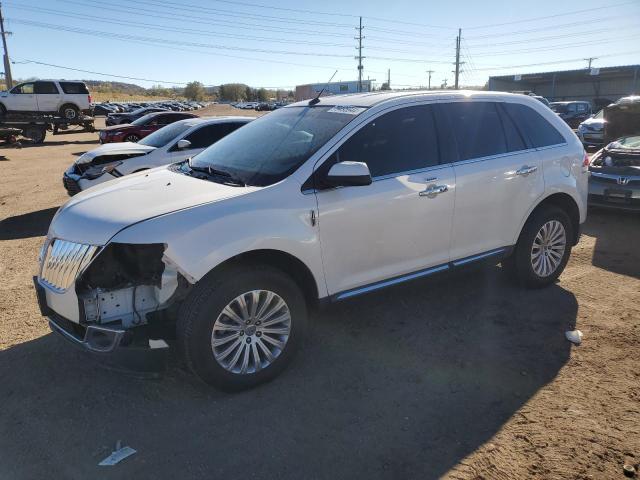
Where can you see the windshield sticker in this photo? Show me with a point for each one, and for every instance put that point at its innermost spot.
(349, 110)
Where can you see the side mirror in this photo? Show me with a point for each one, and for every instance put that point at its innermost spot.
(183, 144)
(348, 174)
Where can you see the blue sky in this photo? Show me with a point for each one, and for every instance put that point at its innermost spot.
(284, 43)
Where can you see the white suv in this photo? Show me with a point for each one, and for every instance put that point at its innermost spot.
(66, 98)
(316, 202)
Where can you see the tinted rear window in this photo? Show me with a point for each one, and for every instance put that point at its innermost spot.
(74, 88)
(540, 132)
(477, 129)
(46, 88)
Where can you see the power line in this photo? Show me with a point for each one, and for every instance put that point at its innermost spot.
(101, 73)
(98, 33)
(556, 62)
(533, 19)
(170, 29)
(581, 23)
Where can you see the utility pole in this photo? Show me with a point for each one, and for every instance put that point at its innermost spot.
(430, 72)
(359, 57)
(389, 79)
(7, 64)
(458, 39)
(590, 59)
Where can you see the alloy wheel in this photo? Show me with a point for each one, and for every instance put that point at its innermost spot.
(251, 332)
(548, 248)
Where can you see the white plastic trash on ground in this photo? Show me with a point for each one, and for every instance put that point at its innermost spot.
(574, 336)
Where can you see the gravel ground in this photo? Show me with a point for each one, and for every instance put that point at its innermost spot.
(461, 376)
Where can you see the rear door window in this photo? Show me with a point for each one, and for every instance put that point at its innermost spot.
(46, 88)
(477, 129)
(533, 125)
(400, 141)
(72, 88)
(210, 134)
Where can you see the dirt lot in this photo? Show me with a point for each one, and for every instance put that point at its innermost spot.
(461, 376)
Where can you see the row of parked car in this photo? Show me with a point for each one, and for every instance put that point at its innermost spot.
(259, 106)
(110, 108)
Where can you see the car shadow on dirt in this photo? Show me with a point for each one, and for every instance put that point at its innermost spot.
(403, 383)
(27, 225)
(617, 233)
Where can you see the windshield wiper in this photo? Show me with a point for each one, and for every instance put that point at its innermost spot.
(210, 171)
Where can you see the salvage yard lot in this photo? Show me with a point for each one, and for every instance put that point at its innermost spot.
(463, 376)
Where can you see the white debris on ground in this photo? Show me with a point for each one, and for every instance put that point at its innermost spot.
(119, 454)
(574, 336)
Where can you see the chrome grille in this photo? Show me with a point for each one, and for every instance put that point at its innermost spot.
(63, 261)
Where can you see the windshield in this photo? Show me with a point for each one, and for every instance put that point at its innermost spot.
(559, 107)
(272, 147)
(144, 119)
(625, 143)
(138, 111)
(161, 137)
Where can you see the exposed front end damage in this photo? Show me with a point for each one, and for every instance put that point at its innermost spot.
(127, 296)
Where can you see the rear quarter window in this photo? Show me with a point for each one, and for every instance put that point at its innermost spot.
(74, 88)
(534, 126)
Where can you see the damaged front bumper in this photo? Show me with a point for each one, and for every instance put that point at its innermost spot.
(117, 302)
(140, 349)
(75, 182)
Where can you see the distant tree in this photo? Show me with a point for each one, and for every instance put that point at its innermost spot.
(232, 92)
(263, 95)
(194, 91)
(249, 93)
(385, 86)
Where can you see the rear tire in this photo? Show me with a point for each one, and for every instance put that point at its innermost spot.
(256, 340)
(543, 249)
(69, 112)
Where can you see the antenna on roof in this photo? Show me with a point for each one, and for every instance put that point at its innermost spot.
(313, 101)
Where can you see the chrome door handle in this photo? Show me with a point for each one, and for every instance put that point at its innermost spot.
(526, 170)
(433, 190)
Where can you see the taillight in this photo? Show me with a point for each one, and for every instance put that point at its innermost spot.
(585, 162)
(90, 99)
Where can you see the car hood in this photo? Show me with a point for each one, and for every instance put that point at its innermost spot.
(594, 122)
(122, 126)
(121, 148)
(95, 215)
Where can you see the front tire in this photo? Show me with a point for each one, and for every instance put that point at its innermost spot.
(242, 328)
(543, 249)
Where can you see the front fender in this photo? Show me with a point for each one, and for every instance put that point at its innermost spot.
(201, 238)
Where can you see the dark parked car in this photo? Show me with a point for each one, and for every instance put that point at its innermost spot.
(122, 118)
(573, 113)
(141, 127)
(103, 109)
(614, 179)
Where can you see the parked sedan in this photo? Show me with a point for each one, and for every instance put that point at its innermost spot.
(173, 143)
(121, 118)
(614, 179)
(591, 131)
(141, 127)
(103, 109)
